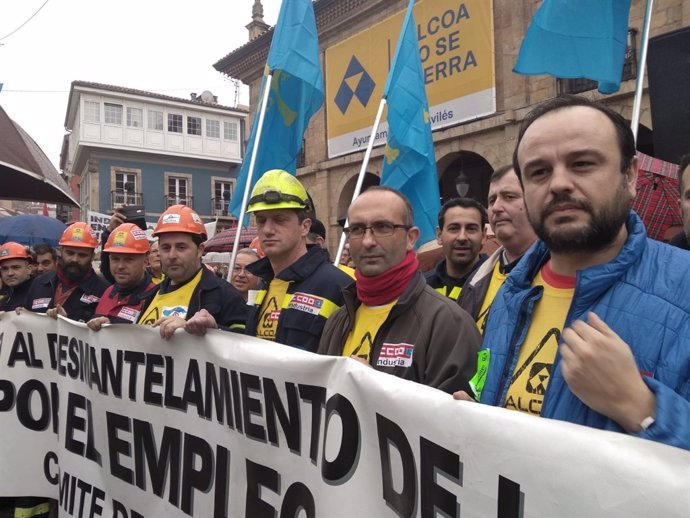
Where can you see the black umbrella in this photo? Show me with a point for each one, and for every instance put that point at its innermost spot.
(25, 171)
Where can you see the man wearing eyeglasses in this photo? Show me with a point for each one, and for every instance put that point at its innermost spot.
(301, 289)
(392, 320)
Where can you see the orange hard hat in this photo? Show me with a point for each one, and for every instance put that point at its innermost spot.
(180, 218)
(127, 238)
(12, 250)
(79, 234)
(255, 245)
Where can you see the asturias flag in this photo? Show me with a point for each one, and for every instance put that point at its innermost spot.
(296, 94)
(577, 38)
(409, 163)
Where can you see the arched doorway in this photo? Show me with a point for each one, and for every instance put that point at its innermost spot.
(370, 179)
(464, 173)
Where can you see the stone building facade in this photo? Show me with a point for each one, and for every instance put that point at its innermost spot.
(472, 148)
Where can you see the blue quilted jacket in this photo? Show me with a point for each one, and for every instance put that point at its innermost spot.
(643, 295)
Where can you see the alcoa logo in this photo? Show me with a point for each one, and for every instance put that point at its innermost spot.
(356, 83)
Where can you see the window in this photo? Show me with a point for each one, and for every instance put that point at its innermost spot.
(177, 191)
(135, 117)
(92, 111)
(155, 120)
(125, 189)
(212, 128)
(113, 114)
(194, 126)
(174, 123)
(222, 189)
(222, 192)
(230, 131)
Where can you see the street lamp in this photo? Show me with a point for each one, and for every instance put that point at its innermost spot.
(462, 184)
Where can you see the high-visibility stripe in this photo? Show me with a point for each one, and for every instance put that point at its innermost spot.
(260, 295)
(454, 293)
(29, 512)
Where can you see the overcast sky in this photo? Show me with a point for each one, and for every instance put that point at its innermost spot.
(164, 46)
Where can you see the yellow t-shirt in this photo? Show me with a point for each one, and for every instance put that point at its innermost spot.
(368, 320)
(269, 312)
(497, 278)
(538, 352)
(172, 303)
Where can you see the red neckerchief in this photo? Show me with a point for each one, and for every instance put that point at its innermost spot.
(389, 285)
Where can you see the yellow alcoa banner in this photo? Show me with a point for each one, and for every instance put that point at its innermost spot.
(456, 45)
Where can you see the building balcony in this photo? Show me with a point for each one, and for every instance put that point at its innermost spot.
(119, 198)
(219, 207)
(171, 199)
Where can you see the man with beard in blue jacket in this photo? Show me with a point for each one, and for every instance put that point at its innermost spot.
(593, 325)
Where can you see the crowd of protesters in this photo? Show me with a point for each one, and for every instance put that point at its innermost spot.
(577, 316)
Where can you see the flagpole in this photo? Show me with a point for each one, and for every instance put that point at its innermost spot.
(639, 84)
(250, 172)
(362, 171)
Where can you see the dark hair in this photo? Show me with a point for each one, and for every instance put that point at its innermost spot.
(44, 248)
(500, 173)
(408, 211)
(684, 164)
(197, 239)
(626, 140)
(317, 230)
(465, 203)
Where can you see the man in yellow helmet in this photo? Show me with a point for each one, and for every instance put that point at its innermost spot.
(301, 287)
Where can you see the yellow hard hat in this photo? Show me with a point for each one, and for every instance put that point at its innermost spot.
(278, 189)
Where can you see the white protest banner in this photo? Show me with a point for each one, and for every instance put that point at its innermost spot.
(122, 424)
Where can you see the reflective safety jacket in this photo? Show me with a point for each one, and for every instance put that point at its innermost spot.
(314, 293)
(80, 305)
(122, 306)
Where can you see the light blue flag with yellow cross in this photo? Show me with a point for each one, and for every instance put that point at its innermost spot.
(409, 163)
(296, 94)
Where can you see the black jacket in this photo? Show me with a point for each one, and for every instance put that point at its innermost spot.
(216, 296)
(314, 280)
(15, 297)
(80, 305)
(446, 285)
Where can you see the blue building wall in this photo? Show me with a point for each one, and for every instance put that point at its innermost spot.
(153, 184)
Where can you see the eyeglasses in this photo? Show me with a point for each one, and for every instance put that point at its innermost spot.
(378, 229)
(273, 196)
